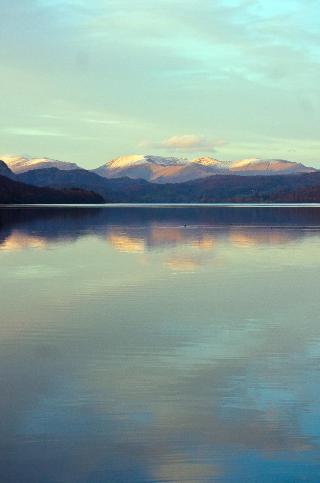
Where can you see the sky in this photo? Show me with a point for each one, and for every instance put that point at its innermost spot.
(90, 81)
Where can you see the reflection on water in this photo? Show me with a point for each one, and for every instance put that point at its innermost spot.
(156, 344)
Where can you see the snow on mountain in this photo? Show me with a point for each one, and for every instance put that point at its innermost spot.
(269, 166)
(245, 163)
(210, 162)
(148, 167)
(125, 161)
(160, 169)
(21, 164)
(137, 159)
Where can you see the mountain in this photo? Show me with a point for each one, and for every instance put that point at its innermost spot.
(255, 166)
(62, 179)
(14, 192)
(112, 189)
(119, 190)
(160, 169)
(148, 167)
(300, 188)
(157, 169)
(21, 164)
(5, 171)
(303, 187)
(137, 159)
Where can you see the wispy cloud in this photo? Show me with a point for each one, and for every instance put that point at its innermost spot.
(185, 142)
(102, 121)
(81, 119)
(25, 131)
(244, 68)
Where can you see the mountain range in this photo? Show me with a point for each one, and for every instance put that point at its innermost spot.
(156, 179)
(159, 169)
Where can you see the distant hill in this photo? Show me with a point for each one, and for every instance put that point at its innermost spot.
(79, 178)
(12, 192)
(5, 171)
(298, 188)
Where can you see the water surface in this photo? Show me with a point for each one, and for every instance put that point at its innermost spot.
(160, 344)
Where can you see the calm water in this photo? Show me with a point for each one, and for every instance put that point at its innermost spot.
(160, 345)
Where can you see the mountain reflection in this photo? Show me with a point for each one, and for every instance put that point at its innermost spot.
(137, 230)
(116, 364)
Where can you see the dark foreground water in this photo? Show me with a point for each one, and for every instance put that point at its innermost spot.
(160, 345)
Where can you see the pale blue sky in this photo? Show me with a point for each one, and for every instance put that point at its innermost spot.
(88, 81)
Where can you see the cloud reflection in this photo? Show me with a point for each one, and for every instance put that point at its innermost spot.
(124, 374)
(20, 241)
(183, 264)
(125, 243)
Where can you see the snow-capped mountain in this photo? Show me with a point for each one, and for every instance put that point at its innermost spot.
(21, 164)
(160, 169)
(137, 159)
(134, 164)
(137, 166)
(268, 166)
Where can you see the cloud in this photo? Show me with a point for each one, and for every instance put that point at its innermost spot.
(25, 131)
(185, 142)
(102, 121)
(74, 118)
(249, 67)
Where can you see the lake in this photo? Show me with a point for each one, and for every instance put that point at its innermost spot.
(160, 344)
